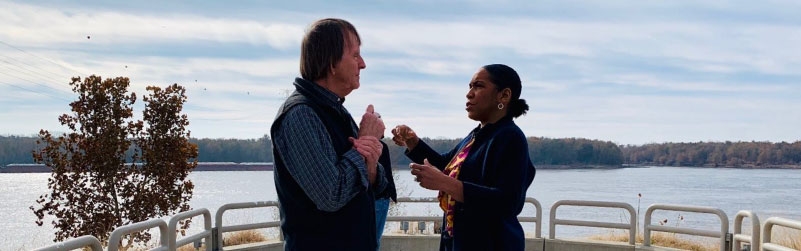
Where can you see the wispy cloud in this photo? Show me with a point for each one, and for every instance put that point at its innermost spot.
(626, 71)
(82, 25)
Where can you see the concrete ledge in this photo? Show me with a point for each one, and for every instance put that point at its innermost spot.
(586, 245)
(431, 242)
(595, 245)
(409, 242)
(535, 244)
(652, 248)
(257, 246)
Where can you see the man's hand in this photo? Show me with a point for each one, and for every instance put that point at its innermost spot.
(371, 124)
(370, 148)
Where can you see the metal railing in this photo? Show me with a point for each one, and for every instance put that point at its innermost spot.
(537, 219)
(116, 236)
(437, 219)
(738, 236)
(631, 226)
(173, 244)
(767, 230)
(221, 228)
(213, 236)
(80, 242)
(724, 223)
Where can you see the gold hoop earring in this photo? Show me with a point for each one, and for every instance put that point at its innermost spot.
(500, 106)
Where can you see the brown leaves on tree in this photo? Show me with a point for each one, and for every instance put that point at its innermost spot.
(110, 170)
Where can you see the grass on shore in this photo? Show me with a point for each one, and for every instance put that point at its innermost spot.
(786, 237)
(660, 239)
(783, 236)
(235, 238)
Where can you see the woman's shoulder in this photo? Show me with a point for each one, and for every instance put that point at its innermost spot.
(509, 130)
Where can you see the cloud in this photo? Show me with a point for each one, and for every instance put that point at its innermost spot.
(41, 26)
(628, 71)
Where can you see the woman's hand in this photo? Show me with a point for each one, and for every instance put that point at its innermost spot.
(402, 135)
(432, 178)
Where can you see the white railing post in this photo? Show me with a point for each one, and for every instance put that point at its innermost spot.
(221, 228)
(77, 243)
(537, 219)
(118, 233)
(632, 226)
(767, 229)
(724, 223)
(739, 237)
(173, 231)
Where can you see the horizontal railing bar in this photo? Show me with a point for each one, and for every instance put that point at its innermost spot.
(631, 226)
(234, 228)
(592, 224)
(415, 218)
(192, 238)
(724, 223)
(775, 247)
(77, 243)
(678, 230)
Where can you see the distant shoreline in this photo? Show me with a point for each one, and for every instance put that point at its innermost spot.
(201, 167)
(746, 166)
(268, 166)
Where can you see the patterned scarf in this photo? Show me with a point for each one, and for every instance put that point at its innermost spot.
(452, 169)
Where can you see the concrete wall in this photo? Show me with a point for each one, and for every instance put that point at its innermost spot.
(258, 246)
(535, 244)
(584, 245)
(431, 242)
(409, 242)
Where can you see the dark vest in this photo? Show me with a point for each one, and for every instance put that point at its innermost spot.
(303, 225)
(389, 191)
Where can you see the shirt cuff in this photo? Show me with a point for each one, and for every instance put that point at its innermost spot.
(418, 153)
(360, 164)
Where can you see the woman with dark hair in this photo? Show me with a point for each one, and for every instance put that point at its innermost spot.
(482, 182)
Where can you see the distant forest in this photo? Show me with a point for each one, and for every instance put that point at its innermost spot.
(545, 152)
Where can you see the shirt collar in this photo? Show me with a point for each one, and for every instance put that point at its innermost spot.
(324, 95)
(490, 127)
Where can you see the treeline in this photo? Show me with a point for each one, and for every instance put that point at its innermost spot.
(16, 149)
(234, 150)
(574, 152)
(543, 151)
(715, 154)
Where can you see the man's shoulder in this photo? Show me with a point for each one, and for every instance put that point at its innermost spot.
(296, 107)
(295, 112)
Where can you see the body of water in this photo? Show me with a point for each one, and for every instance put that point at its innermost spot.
(772, 192)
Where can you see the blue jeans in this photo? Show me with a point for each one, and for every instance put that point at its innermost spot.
(381, 209)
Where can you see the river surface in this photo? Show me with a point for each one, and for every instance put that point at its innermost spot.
(771, 192)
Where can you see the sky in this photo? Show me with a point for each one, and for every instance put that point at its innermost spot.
(627, 71)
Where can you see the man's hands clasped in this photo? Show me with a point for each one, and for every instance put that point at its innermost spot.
(371, 129)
